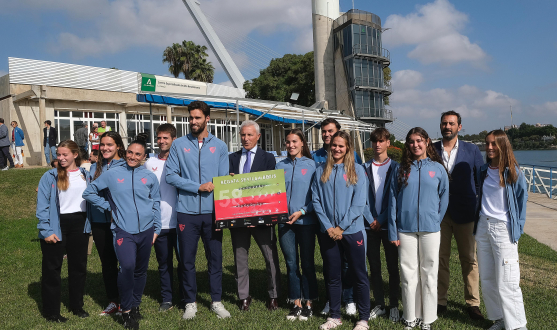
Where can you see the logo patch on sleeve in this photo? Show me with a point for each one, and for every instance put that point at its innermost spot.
(120, 180)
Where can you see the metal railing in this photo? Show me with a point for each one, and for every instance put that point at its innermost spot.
(372, 83)
(540, 179)
(359, 49)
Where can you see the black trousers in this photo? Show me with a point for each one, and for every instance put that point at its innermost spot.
(104, 241)
(74, 243)
(5, 157)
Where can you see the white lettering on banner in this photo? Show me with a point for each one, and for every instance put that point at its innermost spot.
(180, 86)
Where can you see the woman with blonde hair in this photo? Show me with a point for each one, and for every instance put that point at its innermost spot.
(500, 220)
(63, 228)
(339, 196)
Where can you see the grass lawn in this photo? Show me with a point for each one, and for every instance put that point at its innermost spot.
(20, 273)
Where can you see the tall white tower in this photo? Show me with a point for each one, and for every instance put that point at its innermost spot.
(324, 13)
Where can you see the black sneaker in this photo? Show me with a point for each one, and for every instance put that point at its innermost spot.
(56, 318)
(129, 321)
(165, 306)
(306, 313)
(136, 314)
(80, 313)
(294, 313)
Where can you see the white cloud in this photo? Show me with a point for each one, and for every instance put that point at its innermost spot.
(406, 79)
(435, 31)
(548, 108)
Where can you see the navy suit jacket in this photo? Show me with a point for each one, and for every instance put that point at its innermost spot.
(463, 187)
(262, 161)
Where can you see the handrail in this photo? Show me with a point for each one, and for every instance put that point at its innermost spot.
(540, 179)
(372, 50)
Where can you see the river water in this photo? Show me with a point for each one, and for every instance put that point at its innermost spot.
(546, 158)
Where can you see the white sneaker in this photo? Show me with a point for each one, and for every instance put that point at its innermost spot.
(219, 309)
(425, 326)
(351, 309)
(6, 168)
(325, 310)
(361, 325)
(376, 311)
(330, 324)
(409, 325)
(191, 310)
(498, 325)
(394, 315)
(112, 308)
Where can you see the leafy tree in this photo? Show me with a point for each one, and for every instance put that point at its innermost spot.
(190, 59)
(173, 55)
(202, 70)
(386, 81)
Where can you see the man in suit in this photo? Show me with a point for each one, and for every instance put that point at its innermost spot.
(463, 160)
(254, 159)
(49, 141)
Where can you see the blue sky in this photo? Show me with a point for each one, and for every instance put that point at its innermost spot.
(477, 57)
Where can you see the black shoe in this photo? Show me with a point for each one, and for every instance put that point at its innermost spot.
(56, 318)
(136, 314)
(441, 309)
(294, 313)
(475, 313)
(80, 313)
(129, 321)
(165, 306)
(307, 312)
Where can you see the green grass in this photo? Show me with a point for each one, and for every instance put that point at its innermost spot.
(20, 273)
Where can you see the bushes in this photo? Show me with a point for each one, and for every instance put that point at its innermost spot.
(393, 153)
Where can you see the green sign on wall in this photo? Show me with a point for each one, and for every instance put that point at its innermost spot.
(148, 82)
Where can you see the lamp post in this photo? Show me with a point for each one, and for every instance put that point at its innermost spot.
(294, 97)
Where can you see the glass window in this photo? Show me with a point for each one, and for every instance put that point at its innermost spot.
(130, 116)
(110, 115)
(77, 114)
(98, 115)
(63, 113)
(132, 130)
(113, 125)
(64, 129)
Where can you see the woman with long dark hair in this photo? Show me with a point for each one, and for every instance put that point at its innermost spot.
(339, 196)
(111, 155)
(301, 230)
(501, 215)
(419, 200)
(133, 200)
(63, 228)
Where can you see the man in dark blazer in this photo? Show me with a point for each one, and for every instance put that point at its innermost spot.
(463, 160)
(49, 141)
(250, 159)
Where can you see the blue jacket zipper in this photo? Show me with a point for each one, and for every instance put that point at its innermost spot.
(419, 186)
(135, 204)
(292, 180)
(334, 197)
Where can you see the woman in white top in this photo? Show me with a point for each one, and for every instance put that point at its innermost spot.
(94, 138)
(63, 228)
(500, 222)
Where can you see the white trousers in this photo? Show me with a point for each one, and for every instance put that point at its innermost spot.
(18, 159)
(500, 272)
(419, 265)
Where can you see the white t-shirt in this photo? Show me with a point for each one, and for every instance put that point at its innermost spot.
(86, 166)
(379, 171)
(94, 138)
(70, 199)
(449, 159)
(494, 197)
(169, 195)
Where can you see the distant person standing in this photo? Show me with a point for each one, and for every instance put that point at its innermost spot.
(463, 161)
(49, 142)
(104, 128)
(5, 156)
(81, 138)
(94, 138)
(17, 143)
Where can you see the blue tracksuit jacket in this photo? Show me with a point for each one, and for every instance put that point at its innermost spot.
(187, 168)
(370, 213)
(19, 137)
(98, 214)
(298, 174)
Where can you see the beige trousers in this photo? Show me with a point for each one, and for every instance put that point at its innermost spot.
(466, 244)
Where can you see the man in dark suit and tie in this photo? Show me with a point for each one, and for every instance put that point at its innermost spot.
(463, 161)
(254, 159)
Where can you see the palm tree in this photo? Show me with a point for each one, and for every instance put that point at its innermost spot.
(174, 56)
(203, 71)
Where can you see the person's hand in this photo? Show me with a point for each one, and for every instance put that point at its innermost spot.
(52, 239)
(396, 243)
(337, 232)
(207, 187)
(330, 231)
(375, 225)
(294, 217)
(155, 235)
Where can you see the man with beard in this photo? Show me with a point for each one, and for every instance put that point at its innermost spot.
(463, 161)
(192, 163)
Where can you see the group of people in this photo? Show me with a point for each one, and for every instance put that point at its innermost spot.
(14, 140)
(412, 208)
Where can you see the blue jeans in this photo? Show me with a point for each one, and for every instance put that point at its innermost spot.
(49, 150)
(304, 285)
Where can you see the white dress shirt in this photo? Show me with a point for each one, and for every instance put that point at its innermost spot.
(449, 159)
(243, 158)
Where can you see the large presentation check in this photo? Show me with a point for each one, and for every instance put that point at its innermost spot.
(250, 199)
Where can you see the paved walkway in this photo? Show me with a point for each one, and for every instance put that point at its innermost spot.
(541, 219)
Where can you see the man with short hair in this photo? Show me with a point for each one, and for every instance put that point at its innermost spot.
(166, 242)
(463, 161)
(81, 137)
(50, 137)
(329, 127)
(380, 171)
(194, 160)
(103, 128)
(5, 156)
(250, 159)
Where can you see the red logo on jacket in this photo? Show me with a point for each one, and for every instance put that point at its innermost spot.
(213, 149)
(187, 150)
(304, 171)
(120, 180)
(360, 243)
(144, 180)
(432, 173)
(345, 177)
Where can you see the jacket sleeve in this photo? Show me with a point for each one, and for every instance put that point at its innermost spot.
(359, 197)
(443, 190)
(91, 193)
(20, 132)
(173, 171)
(521, 193)
(3, 131)
(155, 195)
(478, 162)
(224, 163)
(271, 162)
(392, 211)
(357, 158)
(43, 205)
(317, 206)
(309, 205)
